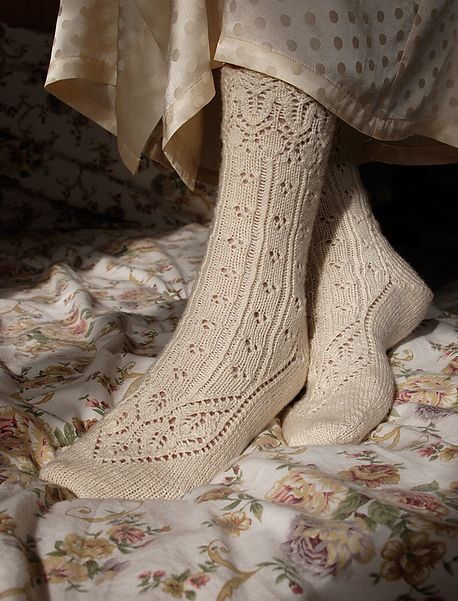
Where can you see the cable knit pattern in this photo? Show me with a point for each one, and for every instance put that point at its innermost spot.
(240, 352)
(363, 298)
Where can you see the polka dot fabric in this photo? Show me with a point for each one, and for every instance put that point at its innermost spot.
(145, 70)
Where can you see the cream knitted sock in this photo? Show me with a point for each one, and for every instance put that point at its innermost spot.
(240, 352)
(362, 298)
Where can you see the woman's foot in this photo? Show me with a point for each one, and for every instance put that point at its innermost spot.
(240, 352)
(363, 298)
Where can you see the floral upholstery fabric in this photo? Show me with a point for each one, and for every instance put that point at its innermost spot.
(96, 268)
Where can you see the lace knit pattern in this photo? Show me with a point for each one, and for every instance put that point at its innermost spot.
(240, 352)
(363, 298)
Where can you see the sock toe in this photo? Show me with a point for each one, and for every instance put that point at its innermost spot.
(337, 422)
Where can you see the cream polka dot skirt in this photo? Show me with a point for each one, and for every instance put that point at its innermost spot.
(146, 71)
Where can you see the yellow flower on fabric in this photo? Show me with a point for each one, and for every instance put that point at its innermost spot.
(344, 542)
(418, 523)
(452, 368)
(371, 475)
(85, 548)
(59, 569)
(312, 492)
(83, 425)
(431, 389)
(25, 438)
(234, 523)
(324, 549)
(270, 438)
(7, 524)
(412, 558)
(448, 453)
(215, 494)
(42, 451)
(173, 587)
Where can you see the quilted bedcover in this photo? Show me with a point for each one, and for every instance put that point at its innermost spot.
(95, 270)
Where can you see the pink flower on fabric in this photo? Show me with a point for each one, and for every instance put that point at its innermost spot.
(296, 588)
(125, 533)
(199, 580)
(80, 328)
(417, 500)
(159, 574)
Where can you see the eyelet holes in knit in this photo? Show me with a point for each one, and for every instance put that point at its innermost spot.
(280, 221)
(180, 374)
(238, 372)
(299, 267)
(119, 421)
(336, 264)
(271, 112)
(159, 400)
(343, 285)
(371, 268)
(326, 219)
(235, 243)
(259, 317)
(268, 288)
(274, 256)
(247, 178)
(241, 211)
(286, 187)
(195, 349)
(250, 346)
(294, 146)
(208, 325)
(346, 343)
(219, 299)
(196, 420)
(255, 108)
(228, 273)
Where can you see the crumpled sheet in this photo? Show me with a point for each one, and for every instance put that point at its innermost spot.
(88, 297)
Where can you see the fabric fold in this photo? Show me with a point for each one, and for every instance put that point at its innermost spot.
(145, 70)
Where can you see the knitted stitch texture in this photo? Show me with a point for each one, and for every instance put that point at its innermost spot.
(240, 352)
(363, 298)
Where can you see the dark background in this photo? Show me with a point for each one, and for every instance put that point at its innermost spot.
(38, 15)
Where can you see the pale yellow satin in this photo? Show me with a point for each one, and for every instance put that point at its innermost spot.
(144, 70)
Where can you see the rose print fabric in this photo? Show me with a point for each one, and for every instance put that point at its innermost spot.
(86, 306)
(144, 70)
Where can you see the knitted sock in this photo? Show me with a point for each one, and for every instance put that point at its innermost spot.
(362, 298)
(240, 352)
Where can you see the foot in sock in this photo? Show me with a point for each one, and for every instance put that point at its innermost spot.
(240, 352)
(362, 299)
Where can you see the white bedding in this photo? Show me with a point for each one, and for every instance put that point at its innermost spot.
(96, 267)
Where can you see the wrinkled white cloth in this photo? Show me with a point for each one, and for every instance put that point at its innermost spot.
(83, 313)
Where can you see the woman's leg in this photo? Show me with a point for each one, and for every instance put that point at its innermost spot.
(362, 299)
(240, 352)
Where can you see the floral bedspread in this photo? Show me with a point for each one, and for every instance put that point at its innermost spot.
(95, 270)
